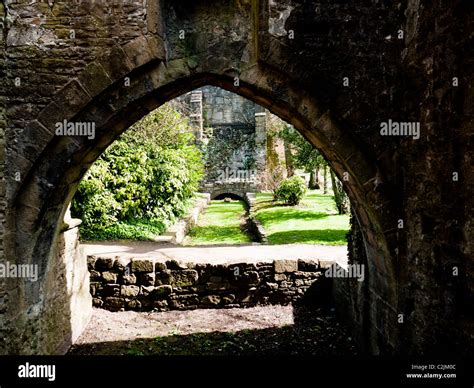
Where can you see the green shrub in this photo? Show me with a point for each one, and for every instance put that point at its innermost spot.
(291, 190)
(148, 175)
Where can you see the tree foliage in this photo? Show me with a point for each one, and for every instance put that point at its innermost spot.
(304, 154)
(291, 190)
(148, 173)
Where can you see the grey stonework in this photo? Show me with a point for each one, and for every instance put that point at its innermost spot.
(81, 77)
(232, 134)
(203, 285)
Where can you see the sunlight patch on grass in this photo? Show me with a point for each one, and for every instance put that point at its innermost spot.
(220, 224)
(314, 221)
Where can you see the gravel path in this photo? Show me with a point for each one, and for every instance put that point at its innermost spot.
(219, 254)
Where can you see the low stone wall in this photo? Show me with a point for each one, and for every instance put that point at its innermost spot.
(177, 232)
(255, 227)
(143, 284)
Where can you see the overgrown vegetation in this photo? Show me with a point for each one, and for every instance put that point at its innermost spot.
(142, 182)
(291, 190)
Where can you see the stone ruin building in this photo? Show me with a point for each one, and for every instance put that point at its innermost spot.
(231, 130)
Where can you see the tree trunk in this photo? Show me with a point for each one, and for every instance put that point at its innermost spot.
(314, 179)
(325, 180)
(290, 168)
(339, 194)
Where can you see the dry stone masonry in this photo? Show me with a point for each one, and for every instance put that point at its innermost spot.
(144, 284)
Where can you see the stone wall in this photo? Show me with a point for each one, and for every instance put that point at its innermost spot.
(177, 232)
(349, 293)
(66, 291)
(3, 182)
(143, 284)
(254, 226)
(221, 107)
(233, 138)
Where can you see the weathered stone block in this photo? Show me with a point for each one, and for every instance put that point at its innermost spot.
(211, 300)
(142, 265)
(146, 279)
(116, 63)
(218, 286)
(251, 278)
(47, 117)
(138, 51)
(72, 97)
(285, 284)
(308, 265)
(134, 304)
(93, 288)
(111, 290)
(279, 277)
(180, 302)
(160, 304)
(163, 277)
(272, 286)
(95, 275)
(114, 303)
(129, 279)
(160, 266)
(91, 262)
(109, 277)
(146, 290)
(121, 264)
(157, 47)
(184, 278)
(302, 275)
(161, 292)
(129, 291)
(104, 263)
(94, 78)
(282, 266)
(96, 302)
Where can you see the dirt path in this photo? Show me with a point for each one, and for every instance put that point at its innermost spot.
(269, 330)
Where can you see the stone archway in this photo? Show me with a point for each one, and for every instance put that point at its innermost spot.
(231, 192)
(51, 182)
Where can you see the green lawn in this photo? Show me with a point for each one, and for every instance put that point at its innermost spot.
(220, 224)
(314, 221)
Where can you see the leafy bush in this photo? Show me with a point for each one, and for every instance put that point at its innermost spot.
(291, 190)
(144, 179)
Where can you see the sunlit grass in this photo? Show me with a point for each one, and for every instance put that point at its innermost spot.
(220, 224)
(313, 221)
